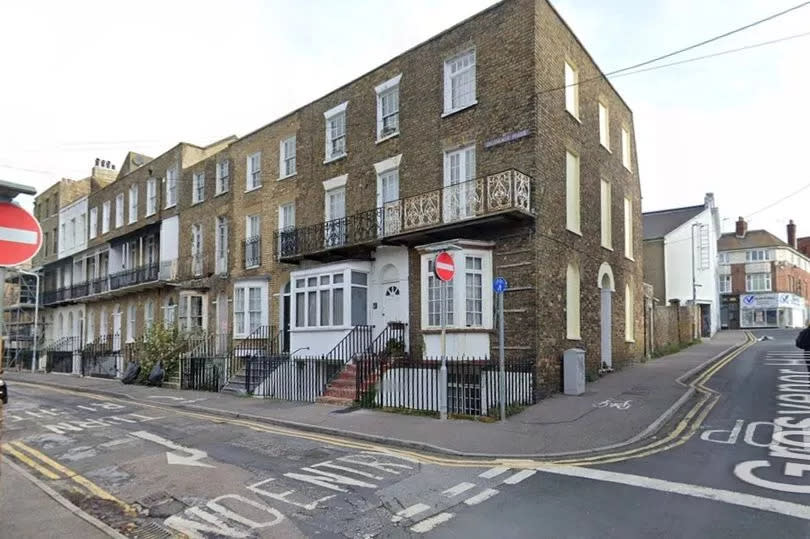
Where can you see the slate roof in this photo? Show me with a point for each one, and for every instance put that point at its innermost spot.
(753, 239)
(657, 224)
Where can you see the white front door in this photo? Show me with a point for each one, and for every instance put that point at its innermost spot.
(393, 308)
(222, 322)
(117, 329)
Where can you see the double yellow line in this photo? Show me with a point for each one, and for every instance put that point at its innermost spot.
(49, 468)
(685, 428)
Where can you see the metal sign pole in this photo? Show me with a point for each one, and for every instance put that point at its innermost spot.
(500, 358)
(443, 370)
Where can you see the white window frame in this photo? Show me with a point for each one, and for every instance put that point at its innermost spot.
(223, 177)
(724, 284)
(253, 232)
(119, 210)
(171, 187)
(573, 210)
(571, 78)
(573, 314)
(604, 125)
(285, 158)
(758, 255)
(457, 290)
(387, 88)
(221, 244)
(627, 153)
(242, 289)
(450, 76)
(330, 287)
(330, 116)
(606, 213)
(286, 212)
(185, 314)
(132, 318)
(93, 223)
(196, 249)
(169, 312)
(758, 282)
(197, 187)
(148, 315)
(133, 203)
(151, 197)
(628, 228)
(722, 258)
(253, 176)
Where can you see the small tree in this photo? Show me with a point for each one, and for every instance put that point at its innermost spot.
(160, 343)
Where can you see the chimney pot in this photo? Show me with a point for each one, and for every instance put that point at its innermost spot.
(97, 161)
(741, 228)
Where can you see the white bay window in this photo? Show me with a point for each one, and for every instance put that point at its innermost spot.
(331, 298)
(467, 302)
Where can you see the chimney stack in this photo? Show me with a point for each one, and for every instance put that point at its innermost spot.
(708, 200)
(742, 227)
(791, 234)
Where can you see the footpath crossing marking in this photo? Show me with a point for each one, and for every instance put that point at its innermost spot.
(429, 523)
(458, 489)
(481, 496)
(518, 477)
(493, 472)
(409, 512)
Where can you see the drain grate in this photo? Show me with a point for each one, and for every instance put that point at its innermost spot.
(153, 530)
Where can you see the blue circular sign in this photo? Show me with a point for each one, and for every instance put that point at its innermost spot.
(499, 285)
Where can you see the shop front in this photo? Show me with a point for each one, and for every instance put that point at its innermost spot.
(772, 310)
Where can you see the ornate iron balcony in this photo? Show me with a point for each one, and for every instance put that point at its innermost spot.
(507, 192)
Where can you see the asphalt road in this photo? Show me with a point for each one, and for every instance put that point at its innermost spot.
(153, 471)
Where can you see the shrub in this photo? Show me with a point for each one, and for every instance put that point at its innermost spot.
(158, 344)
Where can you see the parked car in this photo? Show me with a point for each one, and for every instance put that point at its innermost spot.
(3, 391)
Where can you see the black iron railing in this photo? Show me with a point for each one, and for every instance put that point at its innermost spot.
(196, 267)
(131, 277)
(353, 345)
(264, 341)
(295, 379)
(507, 190)
(253, 252)
(101, 358)
(389, 343)
(200, 373)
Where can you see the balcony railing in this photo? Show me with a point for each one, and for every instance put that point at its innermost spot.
(253, 251)
(195, 266)
(507, 191)
(131, 277)
(164, 271)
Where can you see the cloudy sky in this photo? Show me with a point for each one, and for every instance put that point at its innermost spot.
(90, 79)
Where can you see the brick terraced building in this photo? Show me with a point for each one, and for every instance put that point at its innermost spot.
(325, 222)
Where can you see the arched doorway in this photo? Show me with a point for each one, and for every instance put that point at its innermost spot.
(606, 286)
(285, 318)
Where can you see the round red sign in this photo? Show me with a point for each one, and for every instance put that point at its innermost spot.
(20, 235)
(444, 266)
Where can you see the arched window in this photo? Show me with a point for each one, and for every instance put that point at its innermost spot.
(572, 285)
(629, 316)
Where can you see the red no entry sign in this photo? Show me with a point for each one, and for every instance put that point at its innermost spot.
(20, 235)
(444, 266)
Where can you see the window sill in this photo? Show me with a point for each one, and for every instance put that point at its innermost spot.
(569, 338)
(572, 231)
(170, 206)
(196, 202)
(287, 177)
(252, 267)
(132, 222)
(386, 137)
(254, 188)
(334, 158)
(221, 193)
(447, 113)
(574, 116)
(630, 258)
(608, 150)
(150, 214)
(630, 341)
(628, 169)
(606, 248)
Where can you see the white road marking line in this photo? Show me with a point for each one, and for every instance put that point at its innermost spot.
(726, 496)
(458, 489)
(518, 477)
(430, 523)
(493, 472)
(18, 235)
(409, 512)
(481, 497)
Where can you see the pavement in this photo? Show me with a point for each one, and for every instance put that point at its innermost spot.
(620, 408)
(27, 512)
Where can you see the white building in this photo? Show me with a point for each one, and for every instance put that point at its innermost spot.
(680, 258)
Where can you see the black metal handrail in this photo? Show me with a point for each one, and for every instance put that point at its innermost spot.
(354, 344)
(263, 341)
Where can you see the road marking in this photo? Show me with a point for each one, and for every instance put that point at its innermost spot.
(726, 496)
(409, 512)
(30, 463)
(76, 478)
(493, 472)
(458, 489)
(518, 477)
(481, 497)
(430, 523)
(193, 459)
